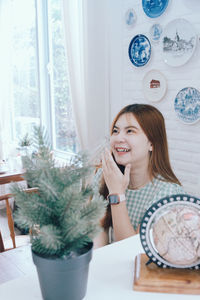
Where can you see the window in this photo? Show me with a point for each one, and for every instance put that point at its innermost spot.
(40, 84)
(24, 68)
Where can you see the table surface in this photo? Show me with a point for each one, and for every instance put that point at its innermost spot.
(110, 275)
(11, 176)
(15, 263)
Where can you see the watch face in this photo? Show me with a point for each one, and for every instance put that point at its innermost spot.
(113, 199)
(170, 232)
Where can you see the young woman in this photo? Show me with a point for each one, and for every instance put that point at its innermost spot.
(135, 170)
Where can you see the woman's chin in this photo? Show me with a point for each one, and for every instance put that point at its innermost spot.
(121, 161)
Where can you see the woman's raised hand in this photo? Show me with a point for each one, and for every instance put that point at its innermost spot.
(116, 181)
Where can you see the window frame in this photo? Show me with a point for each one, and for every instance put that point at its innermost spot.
(45, 84)
(45, 79)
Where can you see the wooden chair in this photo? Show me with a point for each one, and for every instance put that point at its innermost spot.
(15, 240)
(2, 249)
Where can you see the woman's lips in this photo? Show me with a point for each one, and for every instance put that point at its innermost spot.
(121, 150)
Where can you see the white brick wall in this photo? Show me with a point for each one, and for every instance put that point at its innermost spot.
(126, 80)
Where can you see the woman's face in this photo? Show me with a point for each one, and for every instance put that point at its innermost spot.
(128, 142)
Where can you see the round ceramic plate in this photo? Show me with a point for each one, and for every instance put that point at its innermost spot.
(155, 8)
(187, 105)
(130, 17)
(178, 42)
(169, 232)
(139, 50)
(155, 32)
(154, 86)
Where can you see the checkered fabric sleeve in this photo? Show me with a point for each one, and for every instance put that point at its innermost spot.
(138, 201)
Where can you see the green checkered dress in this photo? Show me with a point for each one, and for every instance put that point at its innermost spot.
(138, 201)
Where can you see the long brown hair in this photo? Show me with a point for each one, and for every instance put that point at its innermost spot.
(153, 125)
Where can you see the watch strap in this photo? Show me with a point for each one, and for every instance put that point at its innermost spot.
(116, 198)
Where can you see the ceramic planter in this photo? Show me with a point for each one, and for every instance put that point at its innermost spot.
(63, 278)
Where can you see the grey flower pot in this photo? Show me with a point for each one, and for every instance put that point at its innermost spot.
(63, 279)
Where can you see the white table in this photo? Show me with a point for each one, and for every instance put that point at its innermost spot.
(110, 277)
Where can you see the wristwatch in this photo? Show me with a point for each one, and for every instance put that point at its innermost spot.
(116, 198)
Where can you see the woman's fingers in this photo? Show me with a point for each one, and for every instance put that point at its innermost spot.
(103, 160)
(115, 180)
(110, 161)
(107, 171)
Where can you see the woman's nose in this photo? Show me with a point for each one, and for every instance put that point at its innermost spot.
(120, 137)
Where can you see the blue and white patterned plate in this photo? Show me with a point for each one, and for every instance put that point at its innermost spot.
(154, 8)
(155, 32)
(139, 50)
(130, 17)
(187, 105)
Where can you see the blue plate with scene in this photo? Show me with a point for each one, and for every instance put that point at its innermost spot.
(155, 32)
(130, 17)
(139, 50)
(154, 8)
(187, 105)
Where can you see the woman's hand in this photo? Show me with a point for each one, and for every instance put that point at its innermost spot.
(116, 181)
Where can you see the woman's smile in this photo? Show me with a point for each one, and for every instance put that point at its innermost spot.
(122, 150)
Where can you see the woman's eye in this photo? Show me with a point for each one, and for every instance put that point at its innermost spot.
(114, 131)
(130, 131)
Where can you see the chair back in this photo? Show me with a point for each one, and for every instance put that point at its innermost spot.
(6, 198)
(2, 249)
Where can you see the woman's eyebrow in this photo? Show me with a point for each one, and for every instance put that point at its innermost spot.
(131, 126)
(127, 127)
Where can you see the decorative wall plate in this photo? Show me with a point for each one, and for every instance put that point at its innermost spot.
(130, 17)
(154, 8)
(154, 85)
(187, 105)
(139, 50)
(155, 32)
(169, 232)
(178, 42)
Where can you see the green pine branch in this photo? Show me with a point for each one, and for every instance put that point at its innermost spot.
(61, 217)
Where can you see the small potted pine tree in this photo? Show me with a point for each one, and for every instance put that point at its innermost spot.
(62, 220)
(24, 147)
(24, 144)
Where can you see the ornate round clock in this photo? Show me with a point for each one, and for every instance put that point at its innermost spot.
(170, 232)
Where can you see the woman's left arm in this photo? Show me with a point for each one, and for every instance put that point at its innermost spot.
(117, 183)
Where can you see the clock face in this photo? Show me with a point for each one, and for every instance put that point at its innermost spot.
(170, 232)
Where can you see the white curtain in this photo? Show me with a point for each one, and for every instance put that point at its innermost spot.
(5, 82)
(86, 48)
